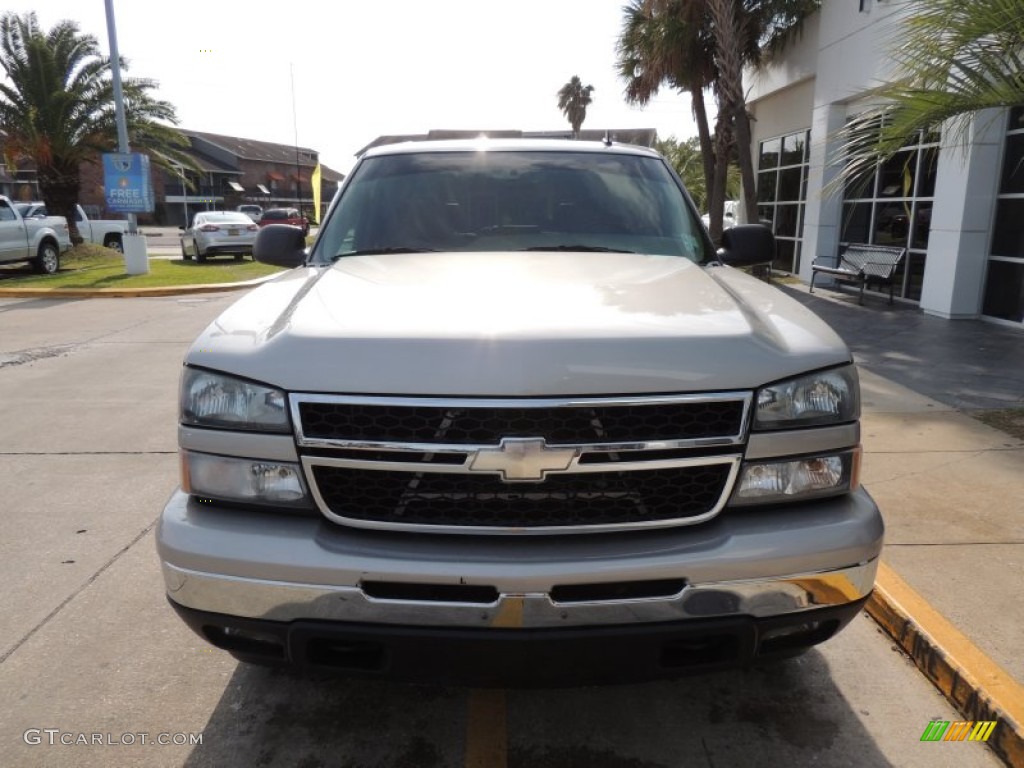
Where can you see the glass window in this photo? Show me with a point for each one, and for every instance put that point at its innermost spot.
(770, 154)
(897, 175)
(1013, 165)
(793, 149)
(786, 219)
(922, 226)
(892, 223)
(1008, 233)
(856, 222)
(781, 188)
(1016, 119)
(789, 184)
(766, 186)
(927, 171)
(784, 255)
(914, 267)
(1004, 291)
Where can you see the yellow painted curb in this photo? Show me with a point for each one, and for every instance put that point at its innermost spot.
(977, 686)
(124, 293)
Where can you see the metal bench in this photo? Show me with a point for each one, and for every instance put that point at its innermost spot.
(864, 264)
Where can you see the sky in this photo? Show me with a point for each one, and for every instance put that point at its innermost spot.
(365, 69)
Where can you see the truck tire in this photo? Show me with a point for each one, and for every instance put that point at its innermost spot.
(114, 243)
(47, 260)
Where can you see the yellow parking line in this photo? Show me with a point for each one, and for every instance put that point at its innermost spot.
(486, 732)
(976, 685)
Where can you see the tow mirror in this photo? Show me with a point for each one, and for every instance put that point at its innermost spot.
(748, 245)
(281, 245)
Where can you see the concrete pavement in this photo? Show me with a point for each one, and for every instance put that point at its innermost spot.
(950, 487)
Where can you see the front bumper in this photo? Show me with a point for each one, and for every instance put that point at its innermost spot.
(284, 567)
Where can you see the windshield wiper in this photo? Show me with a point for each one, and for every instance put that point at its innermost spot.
(585, 248)
(378, 251)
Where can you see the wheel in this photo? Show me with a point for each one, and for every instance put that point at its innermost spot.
(114, 243)
(184, 252)
(48, 259)
(200, 256)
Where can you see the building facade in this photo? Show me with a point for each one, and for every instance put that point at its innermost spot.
(231, 171)
(957, 208)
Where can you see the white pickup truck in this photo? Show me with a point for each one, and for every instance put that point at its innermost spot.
(39, 240)
(105, 232)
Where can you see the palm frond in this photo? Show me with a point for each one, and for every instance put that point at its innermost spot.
(954, 60)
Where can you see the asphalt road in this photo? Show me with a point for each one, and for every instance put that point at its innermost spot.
(90, 652)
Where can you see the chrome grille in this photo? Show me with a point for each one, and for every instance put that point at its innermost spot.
(565, 500)
(520, 466)
(556, 424)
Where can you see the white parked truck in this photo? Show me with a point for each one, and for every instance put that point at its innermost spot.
(512, 419)
(106, 232)
(39, 240)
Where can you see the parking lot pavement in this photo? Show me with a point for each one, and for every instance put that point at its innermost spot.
(90, 650)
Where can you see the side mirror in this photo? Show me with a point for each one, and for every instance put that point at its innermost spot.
(748, 245)
(281, 245)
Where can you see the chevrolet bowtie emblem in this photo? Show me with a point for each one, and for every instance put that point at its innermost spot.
(523, 458)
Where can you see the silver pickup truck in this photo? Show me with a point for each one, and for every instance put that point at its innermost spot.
(39, 240)
(513, 420)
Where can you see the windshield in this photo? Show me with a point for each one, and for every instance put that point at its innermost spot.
(509, 201)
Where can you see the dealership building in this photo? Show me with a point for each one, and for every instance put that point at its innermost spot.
(958, 209)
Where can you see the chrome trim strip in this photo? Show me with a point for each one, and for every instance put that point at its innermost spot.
(297, 398)
(245, 445)
(733, 460)
(796, 442)
(284, 601)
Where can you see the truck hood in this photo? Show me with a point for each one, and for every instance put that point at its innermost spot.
(516, 324)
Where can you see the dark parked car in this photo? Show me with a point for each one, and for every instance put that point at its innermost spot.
(285, 216)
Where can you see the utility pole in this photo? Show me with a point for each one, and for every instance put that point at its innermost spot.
(115, 69)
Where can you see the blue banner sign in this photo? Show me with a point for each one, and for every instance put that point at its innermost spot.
(126, 183)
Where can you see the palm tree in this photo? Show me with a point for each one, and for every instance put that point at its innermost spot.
(730, 34)
(669, 48)
(687, 158)
(57, 108)
(573, 100)
(953, 60)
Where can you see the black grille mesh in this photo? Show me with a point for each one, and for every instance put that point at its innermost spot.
(606, 423)
(599, 498)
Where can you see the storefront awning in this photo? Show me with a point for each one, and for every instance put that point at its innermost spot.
(263, 189)
(236, 186)
(275, 176)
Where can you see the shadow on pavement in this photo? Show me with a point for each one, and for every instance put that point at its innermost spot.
(787, 714)
(967, 364)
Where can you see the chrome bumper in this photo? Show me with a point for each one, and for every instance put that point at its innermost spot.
(283, 601)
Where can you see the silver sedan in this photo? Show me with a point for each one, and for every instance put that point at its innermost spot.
(216, 232)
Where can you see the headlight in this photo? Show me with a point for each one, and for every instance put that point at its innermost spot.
(826, 397)
(771, 482)
(215, 400)
(254, 481)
